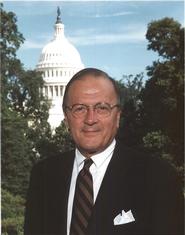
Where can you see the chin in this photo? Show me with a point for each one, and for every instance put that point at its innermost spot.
(90, 149)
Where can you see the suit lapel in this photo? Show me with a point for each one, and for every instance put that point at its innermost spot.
(118, 169)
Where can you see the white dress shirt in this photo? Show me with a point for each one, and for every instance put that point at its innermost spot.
(97, 169)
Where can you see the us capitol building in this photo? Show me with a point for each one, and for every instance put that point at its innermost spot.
(59, 61)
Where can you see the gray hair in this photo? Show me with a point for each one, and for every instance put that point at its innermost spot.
(89, 71)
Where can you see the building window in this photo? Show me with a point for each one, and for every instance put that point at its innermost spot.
(61, 73)
(57, 73)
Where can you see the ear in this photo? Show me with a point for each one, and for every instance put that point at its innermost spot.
(118, 117)
(66, 121)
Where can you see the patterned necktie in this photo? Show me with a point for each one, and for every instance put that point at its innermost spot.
(83, 201)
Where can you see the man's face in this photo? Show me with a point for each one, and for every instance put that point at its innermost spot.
(92, 133)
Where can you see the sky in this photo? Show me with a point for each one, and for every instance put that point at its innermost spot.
(109, 35)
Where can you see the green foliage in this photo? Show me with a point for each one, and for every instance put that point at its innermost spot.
(56, 143)
(24, 124)
(62, 138)
(16, 153)
(11, 39)
(12, 213)
(160, 144)
(130, 124)
(24, 110)
(164, 37)
(163, 96)
(24, 95)
(130, 87)
(152, 115)
(156, 140)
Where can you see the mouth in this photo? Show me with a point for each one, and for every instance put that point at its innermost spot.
(90, 131)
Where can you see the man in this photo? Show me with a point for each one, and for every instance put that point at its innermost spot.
(102, 187)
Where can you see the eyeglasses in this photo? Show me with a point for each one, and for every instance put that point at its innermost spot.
(101, 109)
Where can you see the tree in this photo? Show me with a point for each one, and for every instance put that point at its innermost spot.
(163, 96)
(12, 213)
(17, 154)
(130, 130)
(130, 87)
(11, 39)
(62, 138)
(165, 36)
(24, 110)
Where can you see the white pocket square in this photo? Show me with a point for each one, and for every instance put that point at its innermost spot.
(124, 218)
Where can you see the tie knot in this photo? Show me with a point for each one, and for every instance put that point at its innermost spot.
(87, 163)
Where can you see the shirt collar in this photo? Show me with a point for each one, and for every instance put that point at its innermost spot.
(99, 158)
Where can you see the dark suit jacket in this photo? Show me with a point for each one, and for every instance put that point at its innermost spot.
(133, 181)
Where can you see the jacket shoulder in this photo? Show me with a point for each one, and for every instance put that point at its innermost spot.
(53, 164)
(144, 162)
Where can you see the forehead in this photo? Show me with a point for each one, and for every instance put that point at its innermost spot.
(91, 89)
(90, 83)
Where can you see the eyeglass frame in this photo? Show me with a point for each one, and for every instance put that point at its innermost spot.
(111, 107)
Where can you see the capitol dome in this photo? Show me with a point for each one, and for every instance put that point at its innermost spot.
(59, 61)
(59, 52)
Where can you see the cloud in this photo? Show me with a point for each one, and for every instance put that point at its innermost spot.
(107, 39)
(38, 43)
(113, 14)
(129, 34)
(30, 44)
(92, 36)
(93, 39)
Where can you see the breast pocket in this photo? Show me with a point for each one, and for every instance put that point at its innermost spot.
(126, 229)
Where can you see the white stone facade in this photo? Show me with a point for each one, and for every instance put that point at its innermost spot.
(59, 61)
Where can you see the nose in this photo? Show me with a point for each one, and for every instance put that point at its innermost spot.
(91, 116)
